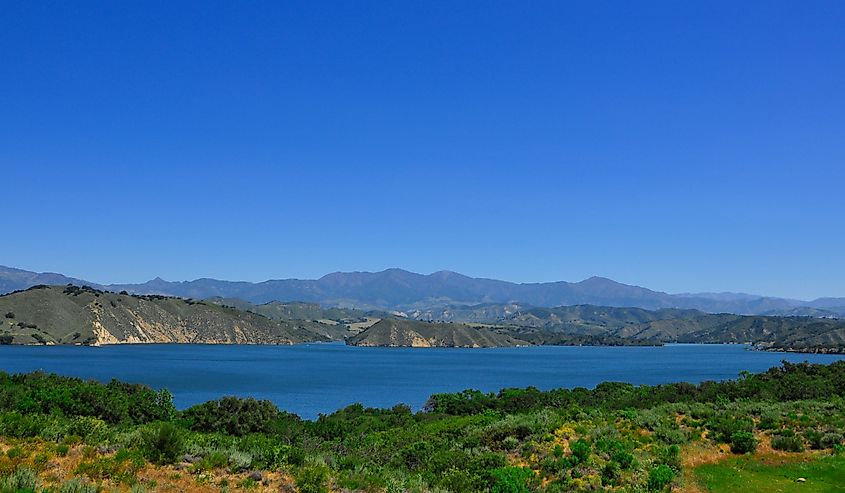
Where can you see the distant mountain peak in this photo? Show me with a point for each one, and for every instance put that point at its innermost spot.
(448, 274)
(158, 282)
(399, 289)
(598, 280)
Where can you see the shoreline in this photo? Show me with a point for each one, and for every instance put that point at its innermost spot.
(751, 346)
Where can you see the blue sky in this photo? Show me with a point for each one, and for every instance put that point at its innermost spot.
(683, 146)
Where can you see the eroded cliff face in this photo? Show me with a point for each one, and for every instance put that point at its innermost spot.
(102, 335)
(70, 315)
(179, 335)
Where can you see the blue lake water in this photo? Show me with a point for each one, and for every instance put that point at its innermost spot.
(308, 379)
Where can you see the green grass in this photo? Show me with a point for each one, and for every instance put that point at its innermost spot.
(752, 474)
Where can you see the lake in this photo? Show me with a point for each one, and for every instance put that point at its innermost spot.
(308, 379)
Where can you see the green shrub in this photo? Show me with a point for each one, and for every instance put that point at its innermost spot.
(163, 444)
(770, 420)
(115, 402)
(814, 438)
(239, 460)
(40, 460)
(313, 478)
(17, 425)
(660, 477)
(822, 440)
(670, 456)
(23, 480)
(215, 459)
(87, 427)
(416, 455)
(293, 456)
(510, 443)
(610, 474)
(77, 485)
(670, 435)
(512, 480)
(580, 450)
(832, 439)
(649, 419)
(622, 457)
(723, 426)
(233, 416)
(788, 442)
(743, 442)
(455, 479)
(699, 410)
(14, 453)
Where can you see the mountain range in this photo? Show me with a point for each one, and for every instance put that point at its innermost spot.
(403, 291)
(88, 316)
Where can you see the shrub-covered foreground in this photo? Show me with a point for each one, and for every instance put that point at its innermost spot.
(67, 435)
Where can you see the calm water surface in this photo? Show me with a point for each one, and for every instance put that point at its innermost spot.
(319, 378)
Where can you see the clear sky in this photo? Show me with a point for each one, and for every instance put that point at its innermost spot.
(682, 146)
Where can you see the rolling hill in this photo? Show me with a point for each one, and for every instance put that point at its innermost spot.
(410, 333)
(335, 323)
(86, 315)
(295, 310)
(604, 325)
(74, 315)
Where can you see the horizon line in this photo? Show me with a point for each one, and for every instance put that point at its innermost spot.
(447, 271)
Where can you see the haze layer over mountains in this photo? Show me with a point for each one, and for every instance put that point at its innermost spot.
(400, 290)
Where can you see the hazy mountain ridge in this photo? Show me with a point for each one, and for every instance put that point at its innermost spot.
(12, 279)
(397, 289)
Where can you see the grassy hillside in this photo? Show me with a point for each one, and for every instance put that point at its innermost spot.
(73, 315)
(410, 333)
(295, 310)
(597, 324)
(335, 323)
(782, 333)
(590, 319)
